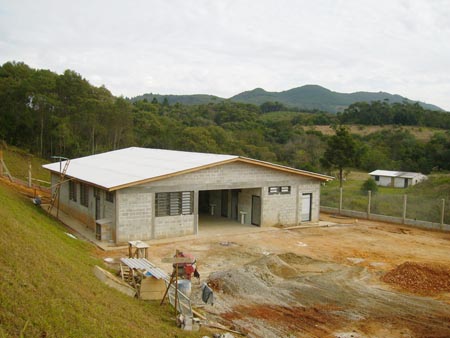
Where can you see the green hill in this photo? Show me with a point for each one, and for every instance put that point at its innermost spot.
(317, 97)
(48, 289)
(310, 97)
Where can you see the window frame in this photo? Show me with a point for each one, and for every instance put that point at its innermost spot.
(280, 190)
(273, 190)
(285, 190)
(109, 196)
(174, 203)
(73, 191)
(84, 194)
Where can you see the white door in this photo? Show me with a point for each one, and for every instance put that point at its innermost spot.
(306, 207)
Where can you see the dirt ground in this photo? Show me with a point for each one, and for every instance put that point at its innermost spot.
(355, 279)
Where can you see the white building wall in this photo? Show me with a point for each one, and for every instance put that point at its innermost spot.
(384, 181)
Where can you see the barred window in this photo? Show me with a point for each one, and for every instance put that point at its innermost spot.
(73, 191)
(84, 194)
(273, 190)
(110, 196)
(284, 190)
(174, 203)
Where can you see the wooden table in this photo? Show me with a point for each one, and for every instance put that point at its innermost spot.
(138, 249)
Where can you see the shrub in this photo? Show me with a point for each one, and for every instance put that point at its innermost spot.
(369, 184)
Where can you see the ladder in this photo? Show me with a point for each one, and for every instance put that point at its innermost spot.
(58, 186)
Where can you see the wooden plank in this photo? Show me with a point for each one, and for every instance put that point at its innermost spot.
(178, 260)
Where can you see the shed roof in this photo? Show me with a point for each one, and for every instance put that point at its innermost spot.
(388, 173)
(131, 166)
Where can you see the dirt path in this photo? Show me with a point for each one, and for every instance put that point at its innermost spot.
(325, 282)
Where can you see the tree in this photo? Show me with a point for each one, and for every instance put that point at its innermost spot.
(341, 151)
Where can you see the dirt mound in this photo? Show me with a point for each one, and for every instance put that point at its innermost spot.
(258, 280)
(420, 278)
(254, 278)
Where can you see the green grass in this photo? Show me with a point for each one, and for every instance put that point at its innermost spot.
(424, 200)
(17, 162)
(47, 285)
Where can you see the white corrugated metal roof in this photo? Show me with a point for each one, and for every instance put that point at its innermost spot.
(125, 166)
(389, 173)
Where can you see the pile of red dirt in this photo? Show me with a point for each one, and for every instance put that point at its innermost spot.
(314, 321)
(420, 278)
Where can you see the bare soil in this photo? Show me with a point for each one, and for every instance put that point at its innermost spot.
(356, 278)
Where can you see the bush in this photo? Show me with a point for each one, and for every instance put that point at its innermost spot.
(369, 184)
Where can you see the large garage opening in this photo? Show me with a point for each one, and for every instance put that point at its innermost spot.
(229, 208)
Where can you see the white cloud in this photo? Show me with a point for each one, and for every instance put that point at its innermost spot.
(225, 47)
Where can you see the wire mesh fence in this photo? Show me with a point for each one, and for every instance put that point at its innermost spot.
(421, 208)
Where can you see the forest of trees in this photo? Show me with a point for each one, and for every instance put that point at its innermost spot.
(50, 114)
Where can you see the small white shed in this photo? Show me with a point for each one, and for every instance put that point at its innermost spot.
(396, 179)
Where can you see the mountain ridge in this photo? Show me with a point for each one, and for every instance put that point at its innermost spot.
(309, 97)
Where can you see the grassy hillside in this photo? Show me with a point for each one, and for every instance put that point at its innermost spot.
(17, 162)
(48, 289)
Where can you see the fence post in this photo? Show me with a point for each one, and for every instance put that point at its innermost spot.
(29, 174)
(340, 200)
(368, 204)
(1, 162)
(442, 213)
(405, 199)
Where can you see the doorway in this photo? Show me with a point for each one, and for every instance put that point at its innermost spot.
(306, 207)
(256, 210)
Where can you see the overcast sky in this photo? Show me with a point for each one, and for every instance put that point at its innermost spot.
(224, 47)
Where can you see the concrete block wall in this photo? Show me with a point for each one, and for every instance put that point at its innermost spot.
(228, 176)
(74, 208)
(279, 209)
(108, 208)
(133, 209)
(245, 203)
(174, 226)
(134, 215)
(276, 209)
